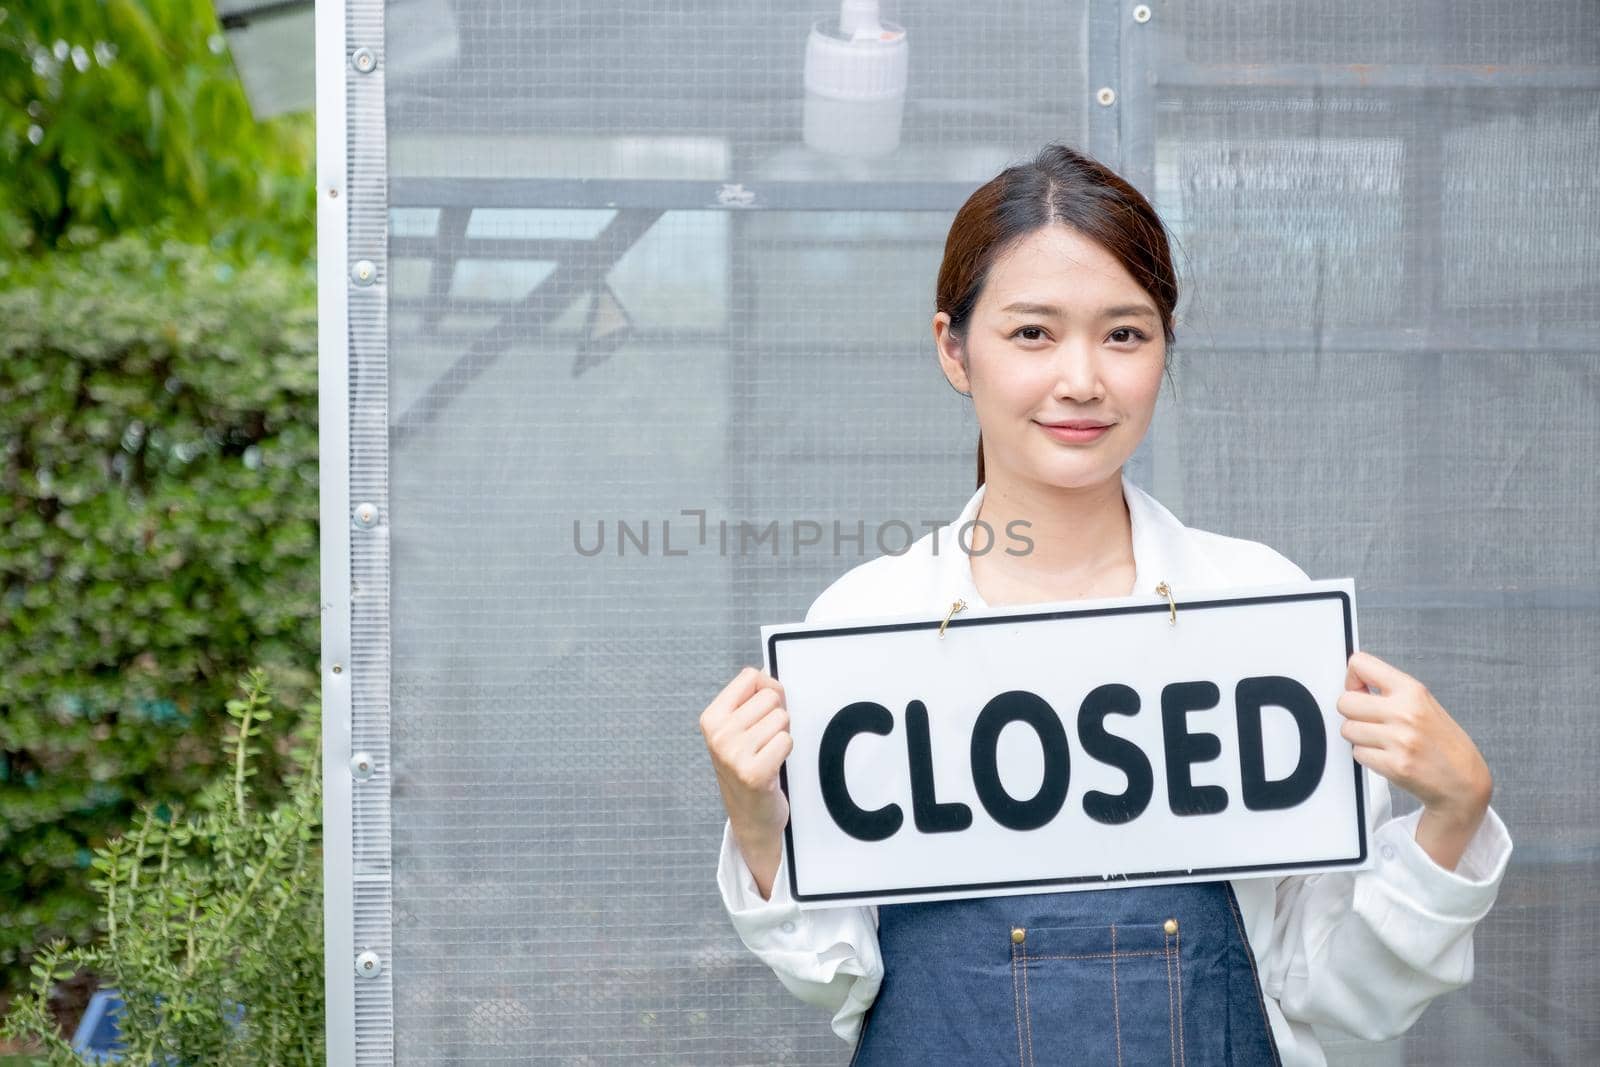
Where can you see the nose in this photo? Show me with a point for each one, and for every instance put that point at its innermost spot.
(1077, 366)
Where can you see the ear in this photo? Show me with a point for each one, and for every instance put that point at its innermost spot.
(952, 353)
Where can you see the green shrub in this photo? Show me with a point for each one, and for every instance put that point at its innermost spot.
(122, 115)
(208, 913)
(158, 508)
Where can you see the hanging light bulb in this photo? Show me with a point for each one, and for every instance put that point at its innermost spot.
(855, 82)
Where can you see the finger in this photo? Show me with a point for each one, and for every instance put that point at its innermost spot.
(767, 681)
(1369, 669)
(1365, 706)
(1375, 759)
(1383, 762)
(735, 693)
(1352, 680)
(755, 709)
(1355, 680)
(765, 728)
(770, 756)
(1366, 734)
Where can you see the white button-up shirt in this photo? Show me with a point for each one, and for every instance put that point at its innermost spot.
(1346, 953)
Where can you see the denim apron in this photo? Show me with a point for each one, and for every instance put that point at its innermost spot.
(1132, 976)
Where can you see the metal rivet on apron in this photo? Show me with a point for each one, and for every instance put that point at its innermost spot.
(1170, 926)
(1017, 934)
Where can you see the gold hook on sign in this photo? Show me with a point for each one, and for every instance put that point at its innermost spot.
(1172, 605)
(959, 605)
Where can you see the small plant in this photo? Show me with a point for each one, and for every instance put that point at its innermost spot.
(212, 919)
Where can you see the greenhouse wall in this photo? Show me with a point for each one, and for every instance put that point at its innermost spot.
(586, 276)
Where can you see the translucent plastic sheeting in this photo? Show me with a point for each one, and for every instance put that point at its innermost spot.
(622, 292)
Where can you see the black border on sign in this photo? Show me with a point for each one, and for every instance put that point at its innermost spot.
(1121, 879)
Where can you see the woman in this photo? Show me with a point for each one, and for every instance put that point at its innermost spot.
(1054, 313)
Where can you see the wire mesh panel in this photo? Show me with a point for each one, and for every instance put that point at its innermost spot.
(658, 370)
(634, 321)
(1390, 368)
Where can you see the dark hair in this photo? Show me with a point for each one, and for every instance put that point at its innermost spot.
(1059, 185)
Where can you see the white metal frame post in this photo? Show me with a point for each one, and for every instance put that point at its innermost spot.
(352, 343)
(352, 338)
(369, 954)
(333, 414)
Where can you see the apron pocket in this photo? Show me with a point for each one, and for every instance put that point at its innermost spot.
(1106, 993)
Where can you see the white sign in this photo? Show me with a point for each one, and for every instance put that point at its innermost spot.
(1052, 747)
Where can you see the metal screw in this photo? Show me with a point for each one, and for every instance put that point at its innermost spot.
(1107, 96)
(368, 965)
(361, 766)
(1141, 13)
(338, 669)
(364, 272)
(363, 60)
(366, 515)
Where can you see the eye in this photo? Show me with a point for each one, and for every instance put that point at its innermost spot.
(1137, 334)
(1024, 329)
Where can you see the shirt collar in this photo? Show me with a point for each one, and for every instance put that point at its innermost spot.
(1160, 552)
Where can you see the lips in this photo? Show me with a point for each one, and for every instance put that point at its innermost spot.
(1076, 431)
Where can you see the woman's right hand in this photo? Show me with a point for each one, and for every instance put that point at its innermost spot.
(746, 728)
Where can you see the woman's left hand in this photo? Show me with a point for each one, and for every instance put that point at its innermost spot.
(1404, 734)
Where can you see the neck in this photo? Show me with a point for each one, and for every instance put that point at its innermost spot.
(1076, 533)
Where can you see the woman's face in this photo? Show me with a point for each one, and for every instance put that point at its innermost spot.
(1060, 332)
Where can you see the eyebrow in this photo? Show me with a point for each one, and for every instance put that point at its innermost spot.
(1105, 313)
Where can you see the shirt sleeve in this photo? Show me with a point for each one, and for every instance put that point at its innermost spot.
(1364, 952)
(827, 957)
